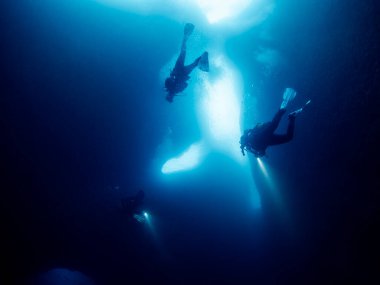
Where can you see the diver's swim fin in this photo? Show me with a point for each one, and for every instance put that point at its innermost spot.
(188, 30)
(203, 62)
(289, 95)
(297, 112)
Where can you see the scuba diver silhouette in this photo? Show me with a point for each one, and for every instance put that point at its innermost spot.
(177, 81)
(257, 140)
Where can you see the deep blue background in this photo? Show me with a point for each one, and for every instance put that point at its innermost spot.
(83, 111)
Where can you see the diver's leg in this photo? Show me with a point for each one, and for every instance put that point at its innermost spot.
(180, 63)
(189, 68)
(201, 62)
(280, 139)
(187, 31)
(276, 120)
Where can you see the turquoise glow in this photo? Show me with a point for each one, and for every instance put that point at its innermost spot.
(218, 10)
(219, 108)
(240, 14)
(186, 161)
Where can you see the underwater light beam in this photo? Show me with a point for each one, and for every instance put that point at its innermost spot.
(268, 180)
(274, 192)
(262, 168)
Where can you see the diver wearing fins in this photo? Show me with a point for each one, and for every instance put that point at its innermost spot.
(177, 81)
(257, 140)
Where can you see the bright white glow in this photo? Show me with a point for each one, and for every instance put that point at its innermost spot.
(217, 10)
(146, 214)
(219, 112)
(188, 160)
(220, 109)
(237, 14)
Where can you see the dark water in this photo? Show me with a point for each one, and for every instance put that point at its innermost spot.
(83, 112)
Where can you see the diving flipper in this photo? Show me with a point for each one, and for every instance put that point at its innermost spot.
(203, 62)
(289, 95)
(188, 30)
(297, 112)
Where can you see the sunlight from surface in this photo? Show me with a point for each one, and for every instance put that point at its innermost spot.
(218, 94)
(238, 14)
(217, 10)
(220, 109)
(186, 161)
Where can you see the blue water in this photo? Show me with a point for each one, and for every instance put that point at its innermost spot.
(85, 123)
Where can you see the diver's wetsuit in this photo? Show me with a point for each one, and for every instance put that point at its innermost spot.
(262, 136)
(177, 81)
(180, 73)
